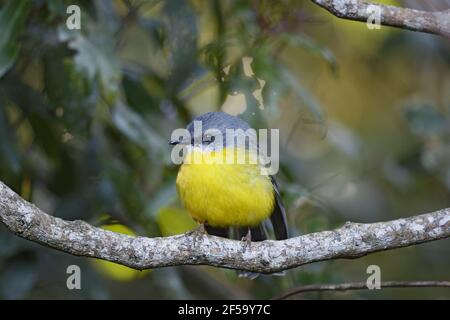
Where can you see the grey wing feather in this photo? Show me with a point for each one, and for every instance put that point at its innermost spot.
(278, 217)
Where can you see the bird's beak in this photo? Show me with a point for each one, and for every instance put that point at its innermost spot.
(179, 141)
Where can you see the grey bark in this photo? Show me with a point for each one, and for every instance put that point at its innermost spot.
(363, 286)
(350, 241)
(437, 22)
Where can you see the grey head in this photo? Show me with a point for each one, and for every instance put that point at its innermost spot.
(206, 127)
(219, 121)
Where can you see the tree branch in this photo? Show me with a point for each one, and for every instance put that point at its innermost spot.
(437, 22)
(350, 241)
(363, 286)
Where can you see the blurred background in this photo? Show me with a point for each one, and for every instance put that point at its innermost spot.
(86, 115)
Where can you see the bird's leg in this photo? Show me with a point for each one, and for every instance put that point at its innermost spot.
(198, 232)
(200, 229)
(248, 239)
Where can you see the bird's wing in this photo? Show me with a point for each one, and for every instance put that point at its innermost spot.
(278, 217)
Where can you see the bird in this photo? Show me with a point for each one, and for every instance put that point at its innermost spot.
(228, 198)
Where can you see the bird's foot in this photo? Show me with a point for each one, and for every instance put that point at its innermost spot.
(247, 239)
(198, 233)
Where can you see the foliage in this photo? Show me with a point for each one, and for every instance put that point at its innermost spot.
(85, 117)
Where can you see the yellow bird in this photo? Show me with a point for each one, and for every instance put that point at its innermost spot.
(221, 192)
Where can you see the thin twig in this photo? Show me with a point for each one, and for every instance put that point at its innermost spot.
(362, 286)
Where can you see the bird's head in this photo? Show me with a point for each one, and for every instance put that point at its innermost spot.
(214, 130)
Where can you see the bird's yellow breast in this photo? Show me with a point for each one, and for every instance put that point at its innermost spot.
(224, 194)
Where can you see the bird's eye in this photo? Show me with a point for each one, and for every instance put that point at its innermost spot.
(208, 138)
(176, 141)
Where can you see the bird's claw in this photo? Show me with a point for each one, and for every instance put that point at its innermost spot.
(247, 239)
(198, 233)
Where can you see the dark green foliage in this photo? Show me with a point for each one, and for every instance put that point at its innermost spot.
(86, 116)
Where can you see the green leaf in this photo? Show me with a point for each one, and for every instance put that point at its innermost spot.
(95, 57)
(69, 92)
(266, 68)
(237, 82)
(302, 41)
(56, 7)
(182, 41)
(136, 96)
(12, 20)
(34, 105)
(135, 128)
